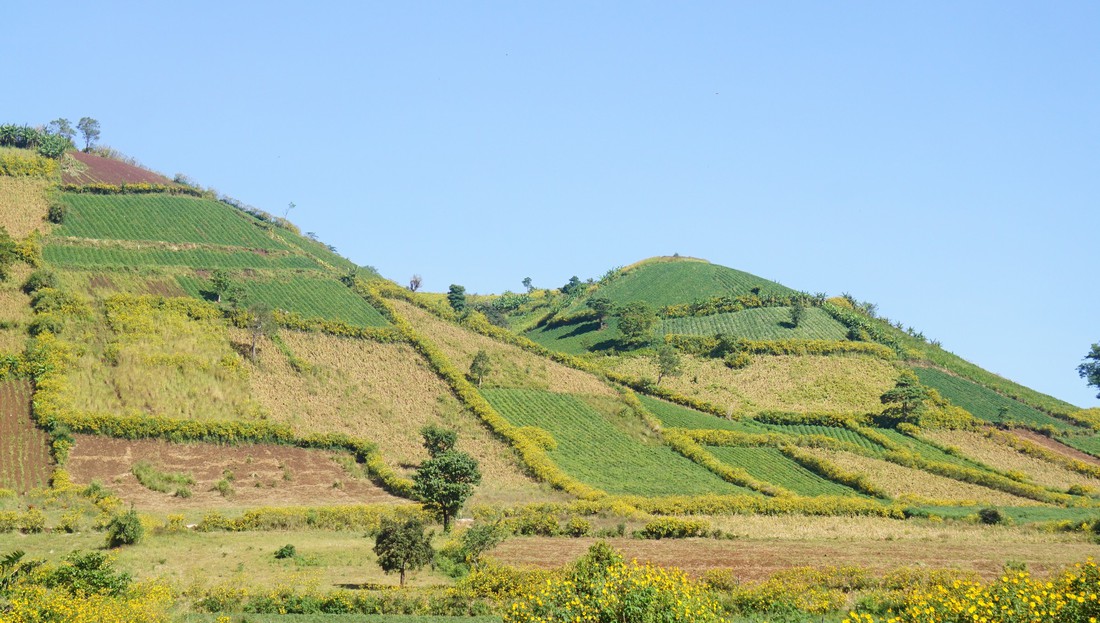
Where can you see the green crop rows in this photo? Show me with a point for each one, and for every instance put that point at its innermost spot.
(310, 297)
(669, 283)
(319, 251)
(772, 466)
(927, 450)
(676, 416)
(841, 434)
(985, 404)
(1089, 444)
(765, 323)
(81, 256)
(167, 218)
(594, 451)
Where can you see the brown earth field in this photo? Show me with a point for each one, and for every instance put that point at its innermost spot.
(109, 171)
(1055, 445)
(264, 475)
(24, 456)
(755, 560)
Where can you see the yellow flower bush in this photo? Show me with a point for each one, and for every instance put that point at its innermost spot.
(148, 603)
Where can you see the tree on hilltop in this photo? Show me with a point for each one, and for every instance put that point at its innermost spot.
(89, 129)
(1090, 368)
(456, 296)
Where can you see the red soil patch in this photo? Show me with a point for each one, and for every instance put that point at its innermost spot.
(264, 475)
(109, 171)
(167, 289)
(759, 560)
(1055, 445)
(24, 455)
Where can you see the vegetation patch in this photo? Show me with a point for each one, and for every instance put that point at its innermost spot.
(23, 205)
(677, 416)
(1007, 459)
(598, 453)
(986, 404)
(762, 323)
(103, 256)
(178, 483)
(771, 465)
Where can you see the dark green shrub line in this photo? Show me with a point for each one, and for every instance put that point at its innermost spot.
(142, 188)
(727, 304)
(711, 346)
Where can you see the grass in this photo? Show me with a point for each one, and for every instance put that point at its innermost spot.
(1019, 514)
(986, 404)
(82, 256)
(512, 367)
(310, 297)
(926, 450)
(764, 323)
(385, 393)
(600, 454)
(166, 218)
(676, 416)
(1005, 458)
(152, 478)
(770, 465)
(579, 337)
(23, 205)
(24, 454)
(662, 283)
(841, 434)
(1089, 444)
(849, 383)
(914, 485)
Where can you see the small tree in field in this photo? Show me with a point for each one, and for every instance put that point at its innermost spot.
(481, 366)
(668, 362)
(456, 296)
(1090, 368)
(438, 440)
(905, 402)
(527, 283)
(444, 482)
(261, 323)
(220, 283)
(798, 310)
(602, 306)
(402, 546)
(636, 322)
(414, 283)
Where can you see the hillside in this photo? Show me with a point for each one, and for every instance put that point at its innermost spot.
(168, 351)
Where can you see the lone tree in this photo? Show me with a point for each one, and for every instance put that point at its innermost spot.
(456, 296)
(261, 323)
(573, 286)
(602, 306)
(480, 367)
(1090, 367)
(668, 362)
(527, 283)
(62, 127)
(402, 546)
(636, 322)
(221, 283)
(798, 310)
(89, 129)
(438, 440)
(445, 481)
(905, 402)
(414, 283)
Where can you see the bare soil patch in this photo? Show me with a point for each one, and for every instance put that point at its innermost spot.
(758, 560)
(24, 455)
(1055, 445)
(263, 475)
(109, 171)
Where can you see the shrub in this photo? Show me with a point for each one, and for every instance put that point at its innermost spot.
(57, 212)
(991, 516)
(32, 522)
(125, 529)
(674, 528)
(286, 551)
(38, 280)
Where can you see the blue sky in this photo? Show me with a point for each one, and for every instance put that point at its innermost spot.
(941, 159)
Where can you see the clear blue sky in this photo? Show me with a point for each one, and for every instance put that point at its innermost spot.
(939, 158)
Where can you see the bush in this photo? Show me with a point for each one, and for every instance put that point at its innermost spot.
(57, 212)
(38, 280)
(673, 528)
(286, 551)
(125, 529)
(991, 516)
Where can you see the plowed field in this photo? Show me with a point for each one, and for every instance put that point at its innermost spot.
(24, 457)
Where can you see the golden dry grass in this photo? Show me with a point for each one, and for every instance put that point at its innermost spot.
(385, 393)
(786, 383)
(907, 483)
(977, 446)
(511, 366)
(23, 205)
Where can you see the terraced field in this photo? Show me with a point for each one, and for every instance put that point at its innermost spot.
(24, 455)
(596, 452)
(765, 323)
(311, 297)
(926, 450)
(167, 218)
(676, 416)
(1005, 458)
(80, 256)
(770, 465)
(986, 404)
(1089, 444)
(836, 432)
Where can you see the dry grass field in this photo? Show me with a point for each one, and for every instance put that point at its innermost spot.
(978, 446)
(382, 392)
(23, 205)
(15, 310)
(512, 367)
(787, 383)
(913, 484)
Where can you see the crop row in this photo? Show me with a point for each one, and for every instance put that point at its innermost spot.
(835, 432)
(90, 256)
(24, 455)
(762, 323)
(677, 416)
(309, 297)
(769, 464)
(169, 218)
(596, 452)
(986, 404)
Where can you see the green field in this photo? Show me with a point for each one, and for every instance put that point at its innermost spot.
(927, 450)
(595, 452)
(89, 257)
(984, 403)
(676, 416)
(1089, 444)
(310, 297)
(318, 251)
(167, 218)
(770, 465)
(836, 432)
(579, 337)
(763, 323)
(662, 283)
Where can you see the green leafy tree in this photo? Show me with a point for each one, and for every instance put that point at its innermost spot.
(1090, 368)
(527, 283)
(480, 367)
(456, 296)
(438, 440)
(402, 546)
(636, 322)
(220, 283)
(444, 483)
(798, 311)
(573, 286)
(668, 362)
(414, 283)
(89, 129)
(61, 127)
(125, 529)
(602, 306)
(906, 401)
